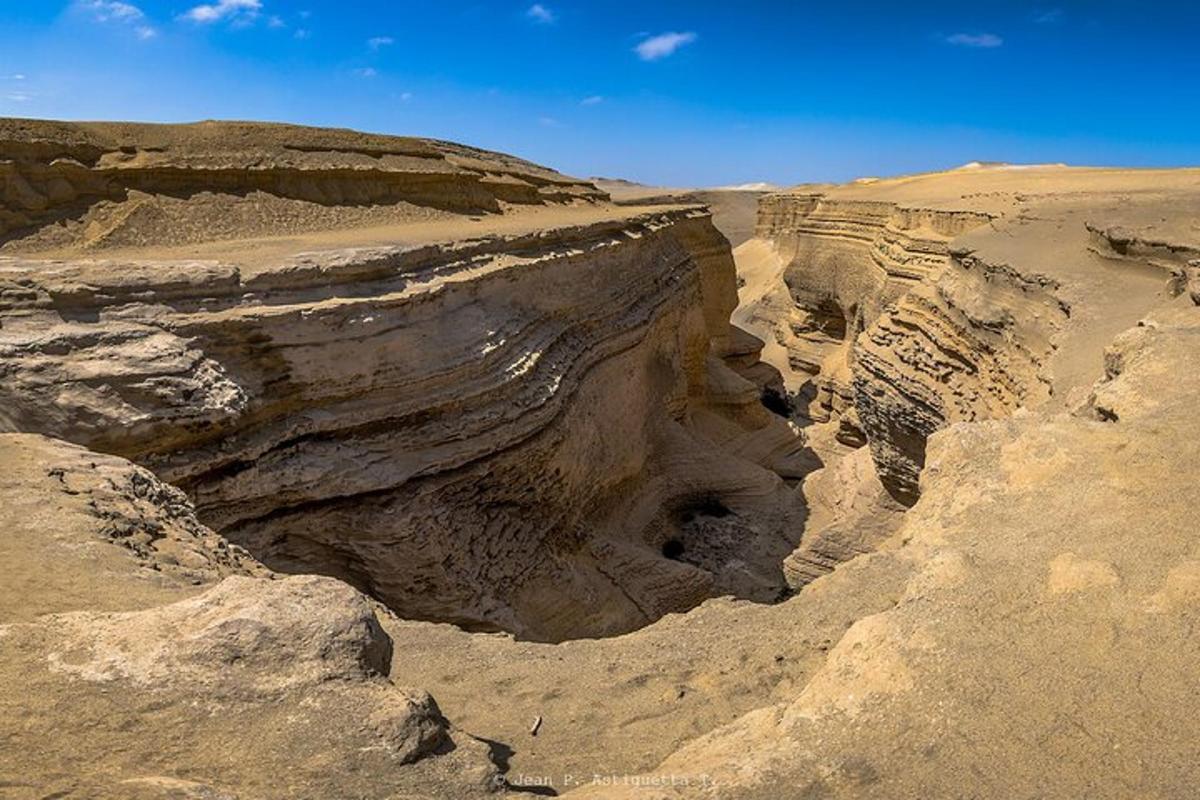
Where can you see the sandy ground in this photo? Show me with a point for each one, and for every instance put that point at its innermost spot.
(255, 253)
(734, 210)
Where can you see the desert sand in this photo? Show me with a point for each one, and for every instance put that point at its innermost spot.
(343, 465)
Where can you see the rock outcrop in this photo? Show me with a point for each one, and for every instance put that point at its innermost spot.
(843, 261)
(104, 185)
(143, 656)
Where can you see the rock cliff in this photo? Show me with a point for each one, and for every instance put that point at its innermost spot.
(903, 305)
(506, 428)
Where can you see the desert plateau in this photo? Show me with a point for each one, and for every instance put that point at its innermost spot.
(338, 464)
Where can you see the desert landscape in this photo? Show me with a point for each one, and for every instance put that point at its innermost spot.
(350, 465)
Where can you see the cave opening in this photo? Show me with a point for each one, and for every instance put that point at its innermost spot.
(831, 319)
(673, 549)
(705, 506)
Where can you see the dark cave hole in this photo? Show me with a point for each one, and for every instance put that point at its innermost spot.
(712, 507)
(831, 319)
(776, 402)
(672, 549)
(707, 506)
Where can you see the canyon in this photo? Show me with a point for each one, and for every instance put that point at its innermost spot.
(339, 464)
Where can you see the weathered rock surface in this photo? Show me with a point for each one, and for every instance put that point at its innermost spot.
(1042, 645)
(504, 430)
(106, 185)
(896, 307)
(179, 666)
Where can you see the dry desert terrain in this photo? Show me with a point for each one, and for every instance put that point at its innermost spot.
(336, 465)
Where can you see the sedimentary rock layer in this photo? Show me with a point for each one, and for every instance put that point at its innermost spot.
(921, 301)
(842, 262)
(535, 430)
(1045, 620)
(104, 184)
(970, 344)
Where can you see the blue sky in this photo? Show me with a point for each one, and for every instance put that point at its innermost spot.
(680, 93)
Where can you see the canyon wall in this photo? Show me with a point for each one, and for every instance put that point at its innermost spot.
(538, 427)
(841, 262)
(967, 344)
(905, 305)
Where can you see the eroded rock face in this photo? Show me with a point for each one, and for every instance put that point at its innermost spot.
(970, 344)
(841, 262)
(905, 305)
(1045, 620)
(123, 668)
(101, 185)
(523, 430)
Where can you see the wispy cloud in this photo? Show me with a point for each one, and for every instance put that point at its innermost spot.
(366, 72)
(376, 42)
(14, 77)
(980, 40)
(549, 122)
(107, 10)
(540, 14)
(594, 100)
(302, 33)
(236, 10)
(1048, 16)
(276, 21)
(18, 97)
(663, 45)
(114, 11)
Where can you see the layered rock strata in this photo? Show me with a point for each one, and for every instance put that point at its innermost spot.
(904, 305)
(541, 429)
(1044, 621)
(103, 184)
(842, 263)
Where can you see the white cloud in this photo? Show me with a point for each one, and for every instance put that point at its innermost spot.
(594, 100)
(1048, 16)
(17, 77)
(983, 40)
(366, 72)
(111, 10)
(105, 11)
(406, 96)
(302, 33)
(540, 14)
(549, 122)
(224, 9)
(18, 97)
(376, 42)
(276, 21)
(663, 45)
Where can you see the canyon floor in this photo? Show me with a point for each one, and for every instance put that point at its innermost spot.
(339, 465)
